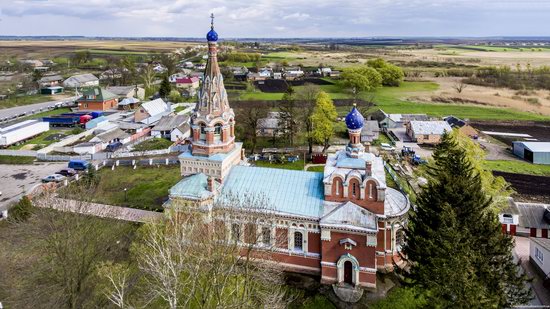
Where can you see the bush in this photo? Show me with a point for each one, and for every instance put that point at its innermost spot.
(21, 211)
(76, 131)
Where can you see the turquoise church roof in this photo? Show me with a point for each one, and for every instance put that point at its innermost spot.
(194, 187)
(298, 193)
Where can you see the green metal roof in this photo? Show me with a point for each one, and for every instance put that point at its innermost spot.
(98, 93)
(194, 187)
(293, 192)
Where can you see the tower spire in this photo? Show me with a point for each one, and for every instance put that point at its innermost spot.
(212, 21)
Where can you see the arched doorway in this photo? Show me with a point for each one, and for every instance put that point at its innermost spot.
(348, 272)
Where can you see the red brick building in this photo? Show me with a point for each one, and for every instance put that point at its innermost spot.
(343, 225)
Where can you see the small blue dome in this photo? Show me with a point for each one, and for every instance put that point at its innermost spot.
(354, 120)
(212, 36)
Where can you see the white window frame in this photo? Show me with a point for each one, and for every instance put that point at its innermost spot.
(539, 255)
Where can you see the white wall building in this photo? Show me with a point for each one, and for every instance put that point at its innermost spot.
(539, 255)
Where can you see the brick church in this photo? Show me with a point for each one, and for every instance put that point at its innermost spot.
(343, 225)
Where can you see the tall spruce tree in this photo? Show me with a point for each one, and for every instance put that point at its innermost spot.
(288, 115)
(458, 253)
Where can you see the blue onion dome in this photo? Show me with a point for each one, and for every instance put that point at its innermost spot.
(354, 120)
(212, 36)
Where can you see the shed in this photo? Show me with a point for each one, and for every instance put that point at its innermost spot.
(534, 152)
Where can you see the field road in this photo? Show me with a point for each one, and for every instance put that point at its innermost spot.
(14, 111)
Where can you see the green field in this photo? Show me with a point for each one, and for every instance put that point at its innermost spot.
(117, 52)
(394, 100)
(16, 160)
(147, 186)
(26, 100)
(519, 167)
(298, 165)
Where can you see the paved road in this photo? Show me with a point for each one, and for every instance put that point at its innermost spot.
(16, 179)
(14, 111)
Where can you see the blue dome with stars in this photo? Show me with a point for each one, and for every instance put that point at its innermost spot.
(354, 120)
(212, 36)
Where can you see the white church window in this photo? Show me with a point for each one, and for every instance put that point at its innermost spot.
(298, 241)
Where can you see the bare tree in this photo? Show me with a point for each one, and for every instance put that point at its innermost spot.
(53, 255)
(459, 86)
(148, 77)
(248, 119)
(307, 96)
(195, 258)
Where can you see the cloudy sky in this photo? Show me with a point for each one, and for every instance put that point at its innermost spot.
(276, 18)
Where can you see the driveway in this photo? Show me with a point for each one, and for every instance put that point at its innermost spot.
(16, 179)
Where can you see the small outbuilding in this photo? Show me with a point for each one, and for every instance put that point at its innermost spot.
(81, 80)
(427, 132)
(534, 152)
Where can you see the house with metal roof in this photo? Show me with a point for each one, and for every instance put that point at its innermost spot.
(534, 152)
(81, 80)
(427, 132)
(96, 98)
(174, 128)
(128, 92)
(370, 131)
(151, 112)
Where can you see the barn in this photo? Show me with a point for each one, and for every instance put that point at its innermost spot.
(534, 152)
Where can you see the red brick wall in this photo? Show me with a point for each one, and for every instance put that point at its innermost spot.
(332, 250)
(281, 238)
(314, 242)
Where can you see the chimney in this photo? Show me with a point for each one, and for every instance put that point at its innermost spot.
(367, 147)
(368, 168)
(211, 184)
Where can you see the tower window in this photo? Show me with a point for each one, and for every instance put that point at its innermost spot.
(354, 189)
(203, 131)
(235, 232)
(218, 129)
(266, 236)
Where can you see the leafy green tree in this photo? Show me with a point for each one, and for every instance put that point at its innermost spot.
(392, 75)
(454, 240)
(323, 118)
(359, 79)
(165, 87)
(175, 96)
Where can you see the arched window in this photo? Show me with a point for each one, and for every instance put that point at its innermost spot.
(298, 241)
(399, 239)
(266, 235)
(203, 131)
(218, 132)
(371, 191)
(235, 232)
(354, 189)
(338, 187)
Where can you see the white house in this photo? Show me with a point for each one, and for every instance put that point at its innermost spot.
(151, 112)
(81, 80)
(539, 255)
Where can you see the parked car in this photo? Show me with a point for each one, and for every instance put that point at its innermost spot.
(387, 147)
(113, 146)
(79, 165)
(67, 172)
(54, 178)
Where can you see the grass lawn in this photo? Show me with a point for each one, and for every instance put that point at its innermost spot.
(298, 165)
(147, 186)
(519, 167)
(42, 140)
(319, 169)
(153, 144)
(16, 160)
(25, 100)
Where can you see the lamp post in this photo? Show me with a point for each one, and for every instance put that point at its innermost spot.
(125, 194)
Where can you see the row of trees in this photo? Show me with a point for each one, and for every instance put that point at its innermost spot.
(459, 256)
(504, 76)
(308, 111)
(239, 57)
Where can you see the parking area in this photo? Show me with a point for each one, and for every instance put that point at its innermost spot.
(16, 179)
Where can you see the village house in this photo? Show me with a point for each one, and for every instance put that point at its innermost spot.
(427, 132)
(128, 104)
(461, 126)
(269, 126)
(343, 225)
(539, 256)
(50, 81)
(392, 121)
(370, 131)
(110, 137)
(151, 112)
(81, 80)
(97, 99)
(526, 219)
(293, 73)
(175, 128)
(128, 92)
(187, 83)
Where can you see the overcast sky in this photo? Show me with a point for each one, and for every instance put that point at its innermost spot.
(276, 18)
